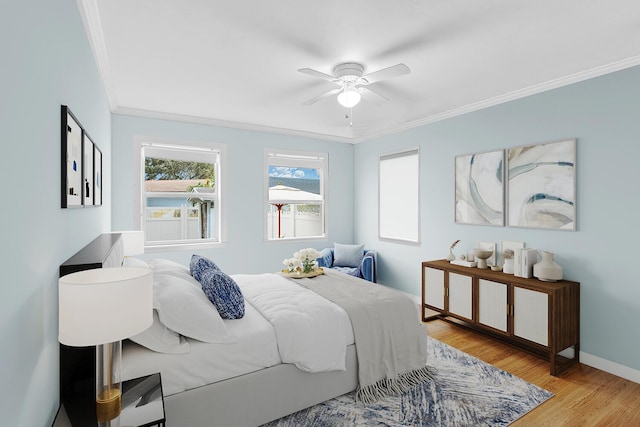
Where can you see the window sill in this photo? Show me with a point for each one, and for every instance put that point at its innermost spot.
(297, 239)
(183, 247)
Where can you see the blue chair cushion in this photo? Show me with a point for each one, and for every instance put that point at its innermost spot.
(347, 255)
(353, 271)
(223, 292)
(199, 264)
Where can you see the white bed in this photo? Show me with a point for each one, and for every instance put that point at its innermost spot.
(242, 380)
(245, 382)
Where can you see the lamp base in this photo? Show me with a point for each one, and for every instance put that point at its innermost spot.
(108, 404)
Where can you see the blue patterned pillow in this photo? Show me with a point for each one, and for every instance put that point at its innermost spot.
(199, 264)
(223, 292)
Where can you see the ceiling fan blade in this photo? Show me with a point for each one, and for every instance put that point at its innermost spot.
(314, 73)
(387, 73)
(322, 96)
(372, 96)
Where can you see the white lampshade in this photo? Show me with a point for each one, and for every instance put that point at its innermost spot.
(104, 305)
(349, 97)
(132, 242)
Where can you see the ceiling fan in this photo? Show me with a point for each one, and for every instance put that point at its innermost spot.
(352, 85)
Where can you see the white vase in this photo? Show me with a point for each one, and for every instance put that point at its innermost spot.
(451, 256)
(547, 270)
(508, 266)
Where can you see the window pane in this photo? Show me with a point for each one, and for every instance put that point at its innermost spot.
(180, 196)
(296, 196)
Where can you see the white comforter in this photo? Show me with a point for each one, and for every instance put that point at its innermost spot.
(312, 332)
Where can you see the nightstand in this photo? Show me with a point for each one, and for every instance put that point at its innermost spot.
(143, 402)
(142, 406)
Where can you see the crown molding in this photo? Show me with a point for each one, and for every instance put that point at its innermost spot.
(227, 124)
(511, 96)
(90, 14)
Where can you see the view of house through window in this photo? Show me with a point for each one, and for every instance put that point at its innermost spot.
(296, 200)
(180, 194)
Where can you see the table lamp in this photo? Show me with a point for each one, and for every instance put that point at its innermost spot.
(102, 307)
(132, 242)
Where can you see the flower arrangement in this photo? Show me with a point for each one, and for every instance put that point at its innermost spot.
(292, 264)
(307, 259)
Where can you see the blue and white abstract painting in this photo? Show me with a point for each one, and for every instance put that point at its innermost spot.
(541, 186)
(480, 188)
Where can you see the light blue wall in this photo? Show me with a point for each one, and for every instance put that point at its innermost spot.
(246, 250)
(46, 62)
(603, 114)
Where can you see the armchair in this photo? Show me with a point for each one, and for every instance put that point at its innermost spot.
(366, 270)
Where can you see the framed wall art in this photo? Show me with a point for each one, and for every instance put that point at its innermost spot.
(97, 176)
(87, 169)
(479, 188)
(72, 194)
(541, 189)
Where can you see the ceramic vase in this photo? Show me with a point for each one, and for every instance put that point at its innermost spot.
(451, 256)
(508, 266)
(547, 270)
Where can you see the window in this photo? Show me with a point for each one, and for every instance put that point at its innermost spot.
(399, 197)
(296, 195)
(180, 193)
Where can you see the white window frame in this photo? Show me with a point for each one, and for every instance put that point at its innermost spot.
(399, 197)
(220, 203)
(297, 159)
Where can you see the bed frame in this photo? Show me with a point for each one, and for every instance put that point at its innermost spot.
(244, 401)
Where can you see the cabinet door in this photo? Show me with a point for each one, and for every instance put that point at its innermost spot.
(460, 295)
(433, 287)
(492, 304)
(531, 315)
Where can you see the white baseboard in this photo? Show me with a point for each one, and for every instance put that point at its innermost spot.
(610, 367)
(585, 358)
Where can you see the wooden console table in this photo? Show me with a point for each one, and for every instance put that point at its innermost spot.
(540, 317)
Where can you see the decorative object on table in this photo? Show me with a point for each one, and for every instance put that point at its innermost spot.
(547, 269)
(494, 397)
(525, 259)
(491, 246)
(470, 257)
(482, 255)
(479, 188)
(303, 264)
(464, 263)
(541, 189)
(509, 245)
(507, 256)
(293, 265)
(496, 268)
(451, 256)
(101, 307)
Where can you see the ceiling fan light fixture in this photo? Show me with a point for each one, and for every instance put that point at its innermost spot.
(349, 97)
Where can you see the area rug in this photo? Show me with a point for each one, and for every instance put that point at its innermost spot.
(465, 392)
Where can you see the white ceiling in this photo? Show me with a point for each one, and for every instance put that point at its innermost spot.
(234, 63)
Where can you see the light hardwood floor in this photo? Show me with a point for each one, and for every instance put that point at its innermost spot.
(584, 396)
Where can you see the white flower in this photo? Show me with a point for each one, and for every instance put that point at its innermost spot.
(292, 264)
(308, 254)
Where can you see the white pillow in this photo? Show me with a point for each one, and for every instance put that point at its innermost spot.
(347, 255)
(185, 309)
(165, 266)
(134, 262)
(161, 339)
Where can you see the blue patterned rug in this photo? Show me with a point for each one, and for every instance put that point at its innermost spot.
(466, 392)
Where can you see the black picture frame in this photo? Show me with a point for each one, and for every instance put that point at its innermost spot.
(97, 176)
(87, 169)
(71, 160)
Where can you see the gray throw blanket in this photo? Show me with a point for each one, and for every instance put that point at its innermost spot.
(390, 342)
